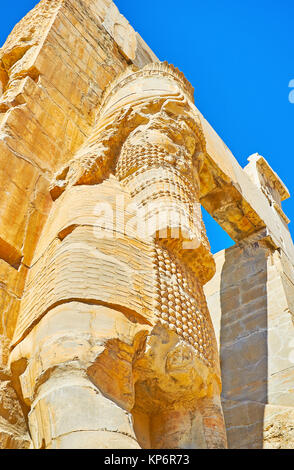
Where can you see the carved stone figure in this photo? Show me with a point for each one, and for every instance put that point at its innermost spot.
(114, 314)
(114, 317)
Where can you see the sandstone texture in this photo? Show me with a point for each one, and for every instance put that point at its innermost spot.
(118, 327)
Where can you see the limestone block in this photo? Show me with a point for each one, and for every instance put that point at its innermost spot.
(244, 424)
(253, 425)
(130, 43)
(76, 337)
(122, 32)
(144, 55)
(111, 291)
(13, 430)
(49, 26)
(94, 440)
(99, 8)
(19, 187)
(62, 352)
(12, 284)
(70, 332)
(10, 437)
(23, 44)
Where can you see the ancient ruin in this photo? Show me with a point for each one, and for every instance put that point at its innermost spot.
(119, 329)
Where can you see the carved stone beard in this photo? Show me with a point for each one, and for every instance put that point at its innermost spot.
(114, 327)
(155, 165)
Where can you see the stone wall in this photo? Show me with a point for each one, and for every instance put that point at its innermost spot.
(252, 313)
(54, 69)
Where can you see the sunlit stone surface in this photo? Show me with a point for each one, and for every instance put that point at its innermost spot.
(114, 312)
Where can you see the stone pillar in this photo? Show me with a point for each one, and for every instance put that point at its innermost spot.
(114, 325)
(251, 302)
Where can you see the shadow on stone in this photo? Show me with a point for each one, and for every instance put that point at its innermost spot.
(244, 343)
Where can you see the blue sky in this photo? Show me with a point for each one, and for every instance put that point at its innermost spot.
(239, 56)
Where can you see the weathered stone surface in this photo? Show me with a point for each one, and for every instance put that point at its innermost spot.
(251, 312)
(13, 428)
(106, 340)
(169, 362)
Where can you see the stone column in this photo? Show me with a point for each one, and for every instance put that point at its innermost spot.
(251, 301)
(114, 324)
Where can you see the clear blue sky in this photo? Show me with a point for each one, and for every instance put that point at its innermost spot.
(239, 56)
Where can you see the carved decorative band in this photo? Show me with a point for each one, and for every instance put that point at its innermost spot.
(154, 68)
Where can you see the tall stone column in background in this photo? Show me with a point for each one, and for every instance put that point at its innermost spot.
(114, 336)
(251, 302)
